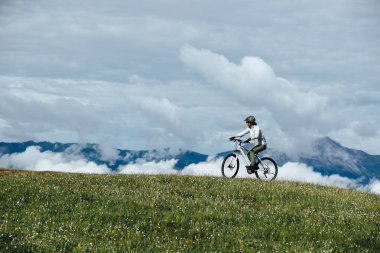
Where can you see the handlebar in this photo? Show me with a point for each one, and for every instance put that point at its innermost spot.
(237, 140)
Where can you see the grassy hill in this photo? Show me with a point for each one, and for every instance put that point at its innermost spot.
(58, 212)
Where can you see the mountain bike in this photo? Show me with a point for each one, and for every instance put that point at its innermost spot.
(266, 167)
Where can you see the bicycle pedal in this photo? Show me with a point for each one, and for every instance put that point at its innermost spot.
(249, 169)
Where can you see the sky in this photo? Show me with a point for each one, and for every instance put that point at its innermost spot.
(185, 74)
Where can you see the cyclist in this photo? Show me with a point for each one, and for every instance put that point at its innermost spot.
(258, 140)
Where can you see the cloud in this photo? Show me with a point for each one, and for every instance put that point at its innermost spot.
(254, 83)
(149, 167)
(211, 167)
(35, 160)
(373, 186)
(172, 120)
(26, 110)
(107, 153)
(82, 40)
(136, 114)
(303, 173)
(293, 114)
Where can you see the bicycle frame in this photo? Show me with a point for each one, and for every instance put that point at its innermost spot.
(242, 151)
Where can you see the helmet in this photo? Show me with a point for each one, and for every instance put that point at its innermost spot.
(250, 119)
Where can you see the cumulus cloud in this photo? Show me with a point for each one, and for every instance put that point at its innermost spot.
(373, 186)
(108, 153)
(303, 173)
(293, 114)
(211, 167)
(254, 83)
(160, 112)
(84, 40)
(179, 124)
(137, 114)
(35, 160)
(26, 110)
(149, 167)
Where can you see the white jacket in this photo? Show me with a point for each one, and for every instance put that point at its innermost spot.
(256, 135)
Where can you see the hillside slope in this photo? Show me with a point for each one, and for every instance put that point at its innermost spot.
(58, 212)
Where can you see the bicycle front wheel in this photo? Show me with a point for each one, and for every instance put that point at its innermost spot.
(267, 169)
(230, 166)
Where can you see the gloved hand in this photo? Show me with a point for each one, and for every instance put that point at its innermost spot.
(232, 138)
(247, 140)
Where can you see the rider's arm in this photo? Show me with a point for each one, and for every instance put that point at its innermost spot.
(242, 133)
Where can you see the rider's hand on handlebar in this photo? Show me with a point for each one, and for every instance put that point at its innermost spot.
(232, 138)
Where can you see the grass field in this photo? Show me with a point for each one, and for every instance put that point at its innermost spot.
(58, 212)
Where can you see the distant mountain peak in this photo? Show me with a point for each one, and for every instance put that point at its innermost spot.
(326, 141)
(328, 157)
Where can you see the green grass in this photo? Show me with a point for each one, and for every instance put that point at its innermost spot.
(57, 212)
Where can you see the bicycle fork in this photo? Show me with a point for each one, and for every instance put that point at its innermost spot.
(233, 161)
(242, 154)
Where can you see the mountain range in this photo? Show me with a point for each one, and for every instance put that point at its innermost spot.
(327, 156)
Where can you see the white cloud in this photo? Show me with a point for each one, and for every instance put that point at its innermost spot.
(174, 121)
(108, 153)
(137, 114)
(373, 186)
(293, 114)
(254, 81)
(303, 173)
(255, 85)
(26, 110)
(35, 160)
(150, 167)
(211, 167)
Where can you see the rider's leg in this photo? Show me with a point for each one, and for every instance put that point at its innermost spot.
(255, 150)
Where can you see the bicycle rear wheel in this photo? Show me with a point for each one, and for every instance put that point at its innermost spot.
(230, 166)
(267, 169)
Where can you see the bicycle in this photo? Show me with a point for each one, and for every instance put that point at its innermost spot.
(266, 167)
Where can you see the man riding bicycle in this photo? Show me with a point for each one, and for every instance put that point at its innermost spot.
(258, 140)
